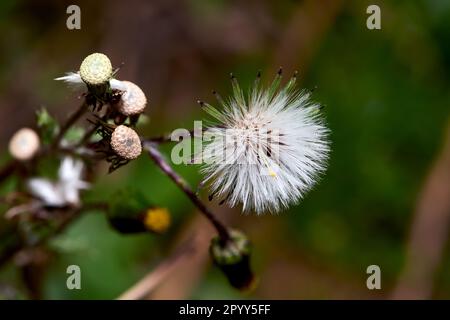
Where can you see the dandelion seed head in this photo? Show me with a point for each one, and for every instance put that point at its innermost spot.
(267, 149)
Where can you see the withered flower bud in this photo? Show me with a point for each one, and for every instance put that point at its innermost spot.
(126, 143)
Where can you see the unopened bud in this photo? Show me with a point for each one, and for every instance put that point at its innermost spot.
(233, 258)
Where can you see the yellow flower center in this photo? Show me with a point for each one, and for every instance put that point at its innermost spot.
(157, 219)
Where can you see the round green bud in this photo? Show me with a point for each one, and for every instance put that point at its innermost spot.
(96, 69)
(233, 251)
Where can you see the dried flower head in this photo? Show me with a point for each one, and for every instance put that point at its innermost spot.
(96, 69)
(267, 150)
(133, 100)
(24, 144)
(126, 143)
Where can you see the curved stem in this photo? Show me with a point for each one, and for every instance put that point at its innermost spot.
(156, 156)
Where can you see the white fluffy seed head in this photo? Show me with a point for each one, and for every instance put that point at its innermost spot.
(266, 151)
(133, 100)
(126, 143)
(96, 69)
(24, 144)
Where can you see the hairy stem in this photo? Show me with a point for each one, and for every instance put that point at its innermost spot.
(156, 156)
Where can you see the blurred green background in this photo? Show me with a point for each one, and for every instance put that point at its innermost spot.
(387, 104)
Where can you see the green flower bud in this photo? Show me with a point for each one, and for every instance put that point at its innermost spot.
(233, 259)
(96, 69)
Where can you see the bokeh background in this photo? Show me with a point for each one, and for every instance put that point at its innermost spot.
(384, 200)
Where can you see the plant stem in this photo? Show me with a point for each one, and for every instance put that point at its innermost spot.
(87, 135)
(71, 121)
(182, 184)
(7, 170)
(168, 137)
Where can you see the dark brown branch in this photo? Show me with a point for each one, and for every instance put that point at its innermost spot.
(156, 156)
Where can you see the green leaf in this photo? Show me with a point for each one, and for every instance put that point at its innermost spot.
(47, 124)
(74, 134)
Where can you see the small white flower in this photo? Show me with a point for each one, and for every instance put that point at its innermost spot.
(266, 151)
(63, 192)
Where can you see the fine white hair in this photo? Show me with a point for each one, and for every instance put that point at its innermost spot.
(267, 150)
(73, 80)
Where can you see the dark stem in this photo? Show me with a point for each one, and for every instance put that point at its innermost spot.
(87, 136)
(181, 183)
(71, 121)
(7, 170)
(168, 137)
